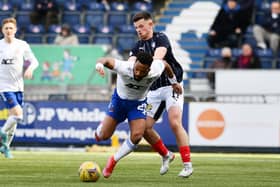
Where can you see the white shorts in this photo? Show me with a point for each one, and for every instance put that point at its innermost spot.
(163, 98)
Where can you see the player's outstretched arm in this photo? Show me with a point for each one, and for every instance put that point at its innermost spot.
(105, 61)
(172, 78)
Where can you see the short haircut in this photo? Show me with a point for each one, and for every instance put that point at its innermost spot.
(144, 58)
(142, 15)
(9, 20)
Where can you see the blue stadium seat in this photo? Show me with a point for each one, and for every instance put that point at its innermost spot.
(165, 19)
(94, 18)
(266, 58)
(117, 18)
(34, 38)
(124, 43)
(160, 28)
(196, 66)
(266, 63)
(171, 12)
(50, 38)
(4, 15)
(72, 6)
(213, 53)
(103, 39)
(250, 39)
(142, 6)
(72, 18)
(188, 35)
(17, 3)
(95, 6)
(278, 64)
(35, 29)
(179, 4)
(119, 6)
(81, 29)
(105, 29)
(23, 19)
(6, 7)
(84, 38)
(236, 52)
(54, 29)
(126, 29)
(28, 6)
(264, 53)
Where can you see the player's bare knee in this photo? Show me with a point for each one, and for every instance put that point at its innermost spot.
(136, 137)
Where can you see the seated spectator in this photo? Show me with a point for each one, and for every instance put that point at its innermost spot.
(45, 12)
(226, 29)
(268, 30)
(248, 59)
(66, 37)
(225, 62)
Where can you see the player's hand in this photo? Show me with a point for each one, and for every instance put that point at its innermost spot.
(100, 69)
(28, 73)
(177, 88)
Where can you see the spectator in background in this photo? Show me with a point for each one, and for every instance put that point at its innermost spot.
(45, 12)
(66, 37)
(246, 10)
(268, 30)
(226, 29)
(247, 59)
(224, 62)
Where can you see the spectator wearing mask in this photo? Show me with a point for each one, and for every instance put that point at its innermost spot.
(226, 29)
(224, 62)
(247, 59)
(66, 37)
(268, 30)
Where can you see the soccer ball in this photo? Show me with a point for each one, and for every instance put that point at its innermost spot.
(89, 171)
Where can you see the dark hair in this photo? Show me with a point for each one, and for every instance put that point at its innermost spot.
(66, 28)
(144, 58)
(142, 15)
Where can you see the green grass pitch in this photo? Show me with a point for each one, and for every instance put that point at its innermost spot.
(51, 169)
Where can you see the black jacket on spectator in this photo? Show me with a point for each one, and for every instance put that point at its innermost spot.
(227, 21)
(225, 25)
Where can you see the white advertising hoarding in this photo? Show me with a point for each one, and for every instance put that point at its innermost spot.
(247, 125)
(247, 82)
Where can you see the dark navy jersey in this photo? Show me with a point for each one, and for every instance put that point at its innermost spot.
(159, 39)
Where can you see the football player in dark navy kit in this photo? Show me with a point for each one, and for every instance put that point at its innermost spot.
(161, 95)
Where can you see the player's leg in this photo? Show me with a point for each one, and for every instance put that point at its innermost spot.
(153, 138)
(13, 101)
(155, 109)
(174, 107)
(136, 116)
(106, 128)
(115, 114)
(137, 128)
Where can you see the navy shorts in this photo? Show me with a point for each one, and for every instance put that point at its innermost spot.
(120, 109)
(11, 99)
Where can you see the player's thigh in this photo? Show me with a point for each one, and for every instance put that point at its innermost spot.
(155, 105)
(109, 125)
(16, 111)
(13, 102)
(173, 99)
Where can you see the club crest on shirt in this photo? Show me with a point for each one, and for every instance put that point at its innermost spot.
(149, 107)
